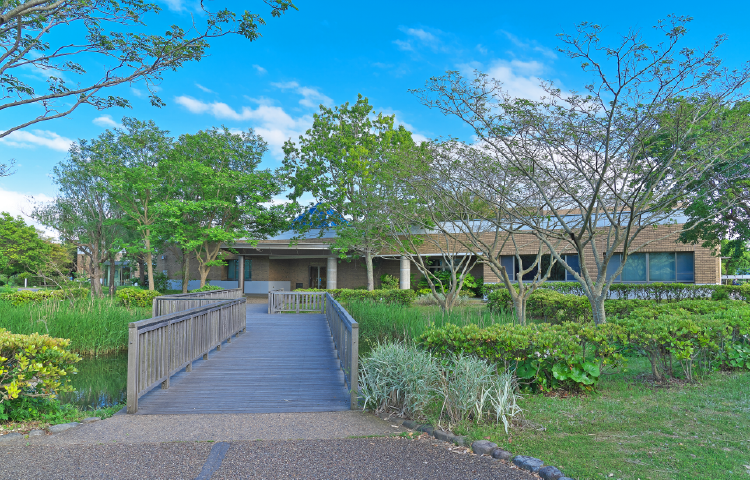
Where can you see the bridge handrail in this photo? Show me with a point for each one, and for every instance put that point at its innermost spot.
(161, 346)
(166, 304)
(345, 333)
(288, 302)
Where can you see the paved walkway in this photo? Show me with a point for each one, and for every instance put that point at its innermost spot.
(283, 363)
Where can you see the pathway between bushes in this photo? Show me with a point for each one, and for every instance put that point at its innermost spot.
(347, 444)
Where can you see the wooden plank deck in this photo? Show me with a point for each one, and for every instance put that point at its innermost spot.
(283, 363)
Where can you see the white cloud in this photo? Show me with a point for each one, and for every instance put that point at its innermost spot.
(136, 92)
(481, 49)
(105, 121)
(207, 90)
(419, 36)
(176, 5)
(269, 121)
(22, 204)
(260, 70)
(402, 45)
(35, 138)
(530, 45)
(311, 97)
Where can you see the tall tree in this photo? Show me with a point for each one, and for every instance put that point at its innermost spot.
(221, 195)
(588, 157)
(21, 248)
(134, 163)
(337, 161)
(82, 212)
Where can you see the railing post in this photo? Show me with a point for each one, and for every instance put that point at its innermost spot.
(132, 369)
(167, 356)
(355, 367)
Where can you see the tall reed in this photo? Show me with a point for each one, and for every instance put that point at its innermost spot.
(93, 325)
(383, 323)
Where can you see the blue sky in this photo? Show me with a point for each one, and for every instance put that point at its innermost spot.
(328, 52)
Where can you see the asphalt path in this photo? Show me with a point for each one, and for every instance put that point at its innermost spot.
(354, 458)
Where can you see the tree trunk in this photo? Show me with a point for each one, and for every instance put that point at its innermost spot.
(149, 262)
(111, 279)
(597, 307)
(368, 268)
(519, 306)
(203, 270)
(96, 278)
(185, 271)
(141, 272)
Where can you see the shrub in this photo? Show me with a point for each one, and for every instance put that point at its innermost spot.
(16, 297)
(545, 304)
(207, 288)
(537, 352)
(444, 278)
(389, 282)
(401, 297)
(411, 382)
(429, 299)
(136, 297)
(32, 366)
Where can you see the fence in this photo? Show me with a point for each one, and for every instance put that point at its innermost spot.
(161, 346)
(184, 301)
(295, 302)
(345, 333)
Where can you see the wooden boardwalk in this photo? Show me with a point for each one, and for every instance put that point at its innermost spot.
(283, 363)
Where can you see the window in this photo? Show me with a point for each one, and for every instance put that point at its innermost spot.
(655, 267)
(635, 268)
(507, 262)
(510, 262)
(572, 261)
(612, 267)
(233, 269)
(436, 265)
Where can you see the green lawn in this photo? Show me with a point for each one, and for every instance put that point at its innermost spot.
(633, 430)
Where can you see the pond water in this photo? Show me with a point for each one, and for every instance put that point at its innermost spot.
(100, 382)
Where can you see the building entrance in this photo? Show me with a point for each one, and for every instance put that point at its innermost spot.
(317, 277)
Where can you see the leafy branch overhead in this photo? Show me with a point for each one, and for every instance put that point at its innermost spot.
(82, 48)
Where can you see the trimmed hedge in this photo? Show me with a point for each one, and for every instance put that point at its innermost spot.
(646, 291)
(401, 297)
(32, 366)
(545, 353)
(206, 288)
(136, 297)
(21, 297)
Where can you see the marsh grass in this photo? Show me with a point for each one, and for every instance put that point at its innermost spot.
(383, 323)
(94, 325)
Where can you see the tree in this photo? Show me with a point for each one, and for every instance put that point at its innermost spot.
(134, 163)
(434, 177)
(589, 158)
(82, 212)
(337, 161)
(221, 195)
(721, 208)
(21, 248)
(101, 44)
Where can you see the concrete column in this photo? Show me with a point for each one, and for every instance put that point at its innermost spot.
(405, 274)
(241, 273)
(332, 273)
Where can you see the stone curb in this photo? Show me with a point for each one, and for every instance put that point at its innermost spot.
(485, 447)
(61, 427)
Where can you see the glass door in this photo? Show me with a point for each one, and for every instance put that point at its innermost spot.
(317, 277)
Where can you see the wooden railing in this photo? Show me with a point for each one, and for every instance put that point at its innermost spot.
(160, 347)
(345, 333)
(183, 301)
(296, 302)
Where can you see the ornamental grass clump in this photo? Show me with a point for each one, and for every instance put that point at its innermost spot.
(403, 379)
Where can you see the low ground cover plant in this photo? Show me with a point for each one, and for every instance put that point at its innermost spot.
(32, 367)
(19, 297)
(459, 390)
(206, 288)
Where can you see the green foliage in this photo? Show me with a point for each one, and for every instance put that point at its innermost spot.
(457, 390)
(93, 325)
(161, 282)
(545, 304)
(136, 297)
(20, 297)
(647, 291)
(32, 366)
(720, 294)
(206, 288)
(442, 281)
(737, 356)
(21, 249)
(389, 282)
(400, 297)
(546, 356)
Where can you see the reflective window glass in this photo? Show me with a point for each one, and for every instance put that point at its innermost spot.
(685, 267)
(572, 261)
(635, 268)
(613, 265)
(661, 267)
(507, 262)
(232, 270)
